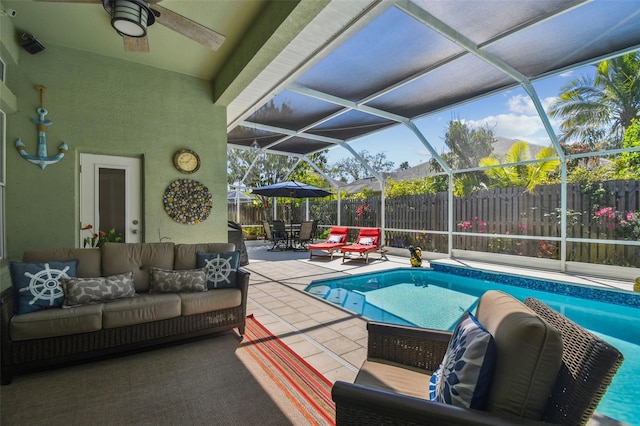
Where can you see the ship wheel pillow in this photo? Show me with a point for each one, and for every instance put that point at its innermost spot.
(38, 286)
(221, 268)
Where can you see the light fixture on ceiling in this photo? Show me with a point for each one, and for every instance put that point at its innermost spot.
(130, 17)
(255, 146)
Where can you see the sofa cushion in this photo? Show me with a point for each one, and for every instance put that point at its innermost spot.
(464, 377)
(86, 291)
(394, 377)
(221, 268)
(56, 322)
(89, 263)
(124, 257)
(212, 300)
(141, 309)
(185, 254)
(38, 285)
(167, 281)
(528, 356)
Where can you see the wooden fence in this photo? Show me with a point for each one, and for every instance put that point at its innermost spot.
(593, 212)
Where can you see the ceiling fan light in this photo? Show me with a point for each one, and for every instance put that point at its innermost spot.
(131, 17)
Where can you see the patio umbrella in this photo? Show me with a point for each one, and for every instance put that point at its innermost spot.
(291, 189)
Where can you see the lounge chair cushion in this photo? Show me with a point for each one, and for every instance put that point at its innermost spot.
(464, 377)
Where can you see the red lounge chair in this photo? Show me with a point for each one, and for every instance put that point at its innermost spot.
(336, 239)
(368, 241)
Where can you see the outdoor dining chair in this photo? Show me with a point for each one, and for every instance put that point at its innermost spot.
(305, 235)
(277, 236)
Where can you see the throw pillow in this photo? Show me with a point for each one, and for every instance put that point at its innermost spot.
(335, 238)
(464, 377)
(221, 268)
(86, 291)
(170, 281)
(38, 285)
(366, 241)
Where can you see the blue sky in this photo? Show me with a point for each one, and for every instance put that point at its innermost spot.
(511, 114)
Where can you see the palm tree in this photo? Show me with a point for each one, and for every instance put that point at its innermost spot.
(601, 106)
(528, 175)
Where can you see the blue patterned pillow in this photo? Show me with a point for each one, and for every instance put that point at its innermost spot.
(464, 377)
(38, 285)
(221, 268)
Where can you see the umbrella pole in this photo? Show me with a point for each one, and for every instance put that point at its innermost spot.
(238, 204)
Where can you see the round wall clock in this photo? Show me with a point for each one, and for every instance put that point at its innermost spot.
(186, 161)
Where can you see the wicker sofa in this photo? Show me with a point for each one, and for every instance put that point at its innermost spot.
(62, 335)
(548, 370)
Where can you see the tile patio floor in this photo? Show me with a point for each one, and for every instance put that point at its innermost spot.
(331, 339)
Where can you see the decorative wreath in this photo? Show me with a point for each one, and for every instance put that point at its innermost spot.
(187, 201)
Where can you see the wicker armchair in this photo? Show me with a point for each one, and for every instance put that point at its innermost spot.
(588, 365)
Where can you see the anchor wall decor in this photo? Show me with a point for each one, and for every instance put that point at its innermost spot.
(41, 159)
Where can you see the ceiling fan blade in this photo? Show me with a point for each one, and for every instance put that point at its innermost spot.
(86, 1)
(136, 44)
(70, 1)
(188, 28)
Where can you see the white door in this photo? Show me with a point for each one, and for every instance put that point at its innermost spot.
(110, 195)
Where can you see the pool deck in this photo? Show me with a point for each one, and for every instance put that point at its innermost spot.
(331, 339)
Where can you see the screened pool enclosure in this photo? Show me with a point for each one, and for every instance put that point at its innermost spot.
(363, 68)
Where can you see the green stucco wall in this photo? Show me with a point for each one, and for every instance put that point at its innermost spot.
(104, 106)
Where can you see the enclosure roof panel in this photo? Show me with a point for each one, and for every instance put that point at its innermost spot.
(397, 61)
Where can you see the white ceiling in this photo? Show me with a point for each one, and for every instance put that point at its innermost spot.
(86, 26)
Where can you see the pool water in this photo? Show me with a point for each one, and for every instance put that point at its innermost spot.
(438, 298)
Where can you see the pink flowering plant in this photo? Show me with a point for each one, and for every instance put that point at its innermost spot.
(541, 248)
(473, 225)
(362, 212)
(624, 225)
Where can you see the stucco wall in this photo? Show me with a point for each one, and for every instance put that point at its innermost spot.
(100, 105)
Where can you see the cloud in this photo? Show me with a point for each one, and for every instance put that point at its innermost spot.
(524, 104)
(515, 126)
(521, 121)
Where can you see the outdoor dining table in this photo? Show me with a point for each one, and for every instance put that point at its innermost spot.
(293, 231)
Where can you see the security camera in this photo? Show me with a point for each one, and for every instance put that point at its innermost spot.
(8, 12)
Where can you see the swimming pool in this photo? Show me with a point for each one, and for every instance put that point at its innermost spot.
(438, 296)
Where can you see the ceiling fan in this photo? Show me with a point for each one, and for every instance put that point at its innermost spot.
(130, 19)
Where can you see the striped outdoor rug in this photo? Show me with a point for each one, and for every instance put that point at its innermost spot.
(305, 387)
